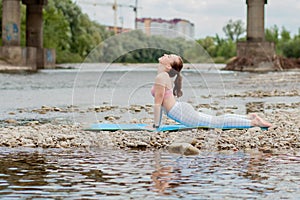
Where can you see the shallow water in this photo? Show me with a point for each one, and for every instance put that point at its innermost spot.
(120, 174)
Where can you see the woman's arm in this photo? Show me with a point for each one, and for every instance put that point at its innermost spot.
(159, 88)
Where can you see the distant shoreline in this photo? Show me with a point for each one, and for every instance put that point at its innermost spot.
(15, 69)
(138, 65)
(6, 68)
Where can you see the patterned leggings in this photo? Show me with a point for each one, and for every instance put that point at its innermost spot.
(185, 114)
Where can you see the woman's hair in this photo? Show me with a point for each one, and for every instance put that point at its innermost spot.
(176, 68)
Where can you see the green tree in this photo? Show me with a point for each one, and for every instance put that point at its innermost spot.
(70, 32)
(224, 48)
(282, 40)
(272, 34)
(57, 32)
(291, 49)
(285, 35)
(234, 29)
(209, 45)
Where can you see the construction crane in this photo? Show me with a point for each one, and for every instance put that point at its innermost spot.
(114, 6)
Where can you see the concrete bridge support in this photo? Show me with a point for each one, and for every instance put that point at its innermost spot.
(11, 23)
(34, 25)
(34, 29)
(255, 54)
(33, 55)
(256, 20)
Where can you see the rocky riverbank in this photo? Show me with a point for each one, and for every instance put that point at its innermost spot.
(274, 96)
(283, 136)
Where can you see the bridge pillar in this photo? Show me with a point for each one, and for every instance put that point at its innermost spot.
(11, 51)
(34, 28)
(11, 20)
(33, 56)
(34, 25)
(256, 20)
(34, 31)
(255, 54)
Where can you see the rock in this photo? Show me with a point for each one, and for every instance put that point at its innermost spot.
(29, 145)
(10, 121)
(42, 112)
(266, 150)
(137, 110)
(48, 140)
(141, 144)
(32, 123)
(254, 130)
(64, 144)
(254, 107)
(183, 148)
(110, 118)
(46, 108)
(56, 109)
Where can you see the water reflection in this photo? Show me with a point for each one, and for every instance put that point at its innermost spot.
(162, 175)
(23, 169)
(258, 167)
(128, 174)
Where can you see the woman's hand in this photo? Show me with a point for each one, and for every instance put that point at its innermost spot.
(150, 128)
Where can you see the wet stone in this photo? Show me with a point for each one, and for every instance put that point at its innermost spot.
(183, 148)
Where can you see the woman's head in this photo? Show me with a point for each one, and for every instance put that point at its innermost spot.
(174, 65)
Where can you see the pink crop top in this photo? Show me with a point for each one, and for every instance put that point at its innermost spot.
(168, 92)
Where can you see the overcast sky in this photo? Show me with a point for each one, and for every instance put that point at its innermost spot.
(208, 16)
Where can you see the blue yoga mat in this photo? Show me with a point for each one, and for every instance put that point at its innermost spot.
(140, 127)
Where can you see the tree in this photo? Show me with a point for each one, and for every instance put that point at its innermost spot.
(291, 49)
(272, 34)
(281, 39)
(285, 35)
(234, 29)
(70, 32)
(57, 32)
(209, 45)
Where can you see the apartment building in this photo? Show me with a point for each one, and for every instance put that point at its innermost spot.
(169, 28)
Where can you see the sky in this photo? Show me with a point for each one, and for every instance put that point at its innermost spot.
(208, 16)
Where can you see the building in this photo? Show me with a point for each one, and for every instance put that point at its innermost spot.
(117, 29)
(169, 28)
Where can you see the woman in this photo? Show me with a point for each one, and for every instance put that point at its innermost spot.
(183, 113)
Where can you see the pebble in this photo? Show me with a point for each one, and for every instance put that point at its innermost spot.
(10, 121)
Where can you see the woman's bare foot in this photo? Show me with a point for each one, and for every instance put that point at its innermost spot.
(258, 121)
(252, 116)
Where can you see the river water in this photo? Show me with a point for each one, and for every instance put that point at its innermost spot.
(120, 174)
(27, 173)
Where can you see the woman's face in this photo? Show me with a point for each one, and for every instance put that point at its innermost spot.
(167, 59)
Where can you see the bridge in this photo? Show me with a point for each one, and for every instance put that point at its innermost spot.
(33, 55)
(37, 57)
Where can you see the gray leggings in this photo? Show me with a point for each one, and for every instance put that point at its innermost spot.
(185, 114)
